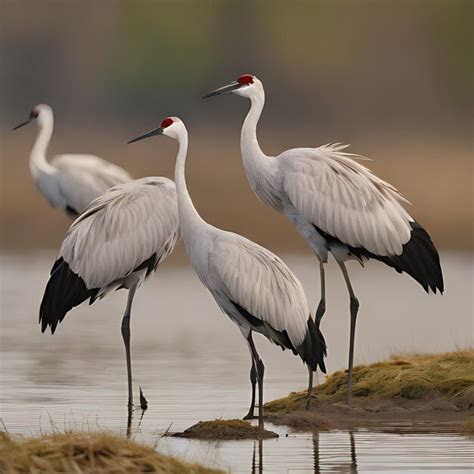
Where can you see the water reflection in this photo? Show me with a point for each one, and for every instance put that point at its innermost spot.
(341, 467)
(257, 461)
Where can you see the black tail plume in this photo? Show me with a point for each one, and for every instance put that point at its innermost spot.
(313, 349)
(419, 259)
(64, 291)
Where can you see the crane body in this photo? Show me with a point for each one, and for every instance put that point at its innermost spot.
(117, 242)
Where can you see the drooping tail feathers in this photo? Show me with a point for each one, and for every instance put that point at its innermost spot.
(64, 290)
(419, 259)
(313, 349)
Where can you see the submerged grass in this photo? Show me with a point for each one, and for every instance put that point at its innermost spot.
(407, 376)
(84, 452)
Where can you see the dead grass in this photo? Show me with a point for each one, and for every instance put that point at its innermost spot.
(406, 377)
(225, 429)
(83, 452)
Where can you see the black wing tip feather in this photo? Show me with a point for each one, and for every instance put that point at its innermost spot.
(420, 260)
(313, 350)
(64, 290)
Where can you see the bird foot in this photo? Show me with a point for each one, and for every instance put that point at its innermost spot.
(249, 416)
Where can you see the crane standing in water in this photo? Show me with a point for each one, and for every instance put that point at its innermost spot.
(69, 182)
(337, 205)
(250, 284)
(117, 242)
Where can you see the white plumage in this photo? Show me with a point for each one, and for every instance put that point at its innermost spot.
(344, 199)
(249, 283)
(245, 273)
(338, 205)
(120, 230)
(119, 240)
(68, 182)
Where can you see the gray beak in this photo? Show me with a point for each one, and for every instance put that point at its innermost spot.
(22, 124)
(158, 131)
(224, 90)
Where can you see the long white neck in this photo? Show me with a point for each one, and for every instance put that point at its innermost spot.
(38, 162)
(189, 218)
(251, 151)
(261, 170)
(257, 165)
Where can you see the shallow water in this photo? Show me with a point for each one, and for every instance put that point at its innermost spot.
(193, 365)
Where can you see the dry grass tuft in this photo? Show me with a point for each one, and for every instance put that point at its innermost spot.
(410, 377)
(83, 452)
(225, 429)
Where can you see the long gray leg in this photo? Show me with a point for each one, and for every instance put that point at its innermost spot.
(260, 371)
(321, 309)
(253, 381)
(126, 340)
(354, 305)
(310, 388)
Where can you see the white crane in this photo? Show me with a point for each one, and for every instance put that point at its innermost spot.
(337, 205)
(69, 182)
(117, 242)
(249, 283)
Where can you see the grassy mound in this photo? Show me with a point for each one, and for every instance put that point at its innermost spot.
(97, 453)
(225, 429)
(407, 377)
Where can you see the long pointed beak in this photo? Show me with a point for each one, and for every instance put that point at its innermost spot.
(158, 131)
(224, 90)
(22, 124)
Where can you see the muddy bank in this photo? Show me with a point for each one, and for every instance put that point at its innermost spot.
(225, 430)
(423, 392)
(414, 416)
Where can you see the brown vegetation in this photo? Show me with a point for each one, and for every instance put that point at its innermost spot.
(81, 453)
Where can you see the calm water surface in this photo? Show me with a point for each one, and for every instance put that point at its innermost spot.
(193, 365)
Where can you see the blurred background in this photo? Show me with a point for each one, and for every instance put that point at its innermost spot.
(392, 78)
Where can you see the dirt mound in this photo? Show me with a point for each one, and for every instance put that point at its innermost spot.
(225, 429)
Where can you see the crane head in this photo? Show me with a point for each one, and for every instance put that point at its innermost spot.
(169, 126)
(245, 86)
(35, 111)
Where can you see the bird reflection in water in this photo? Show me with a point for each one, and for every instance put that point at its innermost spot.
(257, 463)
(343, 467)
(130, 419)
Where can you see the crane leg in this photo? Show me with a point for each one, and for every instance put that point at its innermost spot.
(260, 369)
(310, 389)
(354, 306)
(253, 381)
(321, 309)
(126, 341)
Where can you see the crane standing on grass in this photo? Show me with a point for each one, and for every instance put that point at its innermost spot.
(249, 283)
(117, 242)
(337, 205)
(69, 182)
